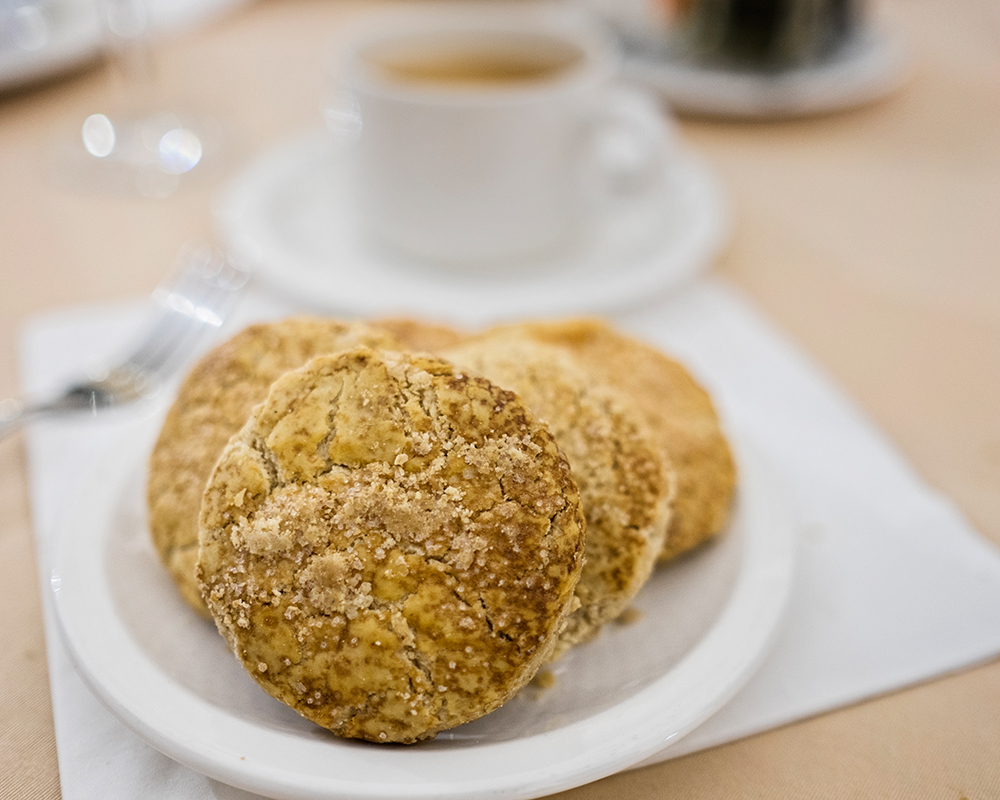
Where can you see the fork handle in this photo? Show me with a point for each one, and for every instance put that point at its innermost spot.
(13, 414)
(16, 412)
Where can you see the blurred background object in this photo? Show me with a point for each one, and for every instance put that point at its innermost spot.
(43, 38)
(766, 34)
(511, 177)
(637, 18)
(747, 34)
(759, 58)
(139, 143)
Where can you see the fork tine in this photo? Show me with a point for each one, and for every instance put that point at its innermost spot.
(197, 296)
(179, 330)
(161, 336)
(176, 321)
(207, 311)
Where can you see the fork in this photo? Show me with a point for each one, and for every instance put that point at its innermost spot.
(194, 299)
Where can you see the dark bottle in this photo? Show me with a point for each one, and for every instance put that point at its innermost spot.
(768, 34)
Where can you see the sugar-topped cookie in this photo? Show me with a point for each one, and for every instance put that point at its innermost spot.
(390, 546)
(418, 336)
(626, 483)
(678, 411)
(212, 404)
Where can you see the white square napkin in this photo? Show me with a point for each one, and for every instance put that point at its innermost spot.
(892, 587)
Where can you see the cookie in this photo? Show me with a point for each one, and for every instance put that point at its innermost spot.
(626, 484)
(678, 411)
(418, 336)
(389, 547)
(212, 404)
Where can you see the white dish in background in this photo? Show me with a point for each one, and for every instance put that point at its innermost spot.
(70, 35)
(292, 216)
(48, 37)
(704, 626)
(868, 67)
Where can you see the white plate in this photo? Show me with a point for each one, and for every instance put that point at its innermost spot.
(705, 624)
(870, 66)
(52, 36)
(291, 216)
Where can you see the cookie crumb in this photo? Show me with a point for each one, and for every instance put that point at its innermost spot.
(544, 679)
(629, 616)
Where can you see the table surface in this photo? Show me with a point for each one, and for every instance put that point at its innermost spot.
(870, 236)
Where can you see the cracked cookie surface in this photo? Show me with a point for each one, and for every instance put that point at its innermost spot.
(626, 482)
(390, 546)
(213, 403)
(678, 411)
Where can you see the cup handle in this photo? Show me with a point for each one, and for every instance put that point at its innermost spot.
(631, 139)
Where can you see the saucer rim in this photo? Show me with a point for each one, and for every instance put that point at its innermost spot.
(243, 222)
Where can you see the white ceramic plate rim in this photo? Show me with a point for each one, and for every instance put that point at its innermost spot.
(369, 284)
(218, 744)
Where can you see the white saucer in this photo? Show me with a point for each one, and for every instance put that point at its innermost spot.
(869, 66)
(291, 216)
(58, 35)
(704, 625)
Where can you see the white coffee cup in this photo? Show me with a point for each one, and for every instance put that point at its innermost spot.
(478, 140)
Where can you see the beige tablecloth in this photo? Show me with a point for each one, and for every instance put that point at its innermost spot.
(870, 236)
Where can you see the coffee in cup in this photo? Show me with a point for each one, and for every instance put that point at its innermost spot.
(500, 63)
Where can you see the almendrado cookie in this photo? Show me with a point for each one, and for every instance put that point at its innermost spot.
(390, 546)
(678, 411)
(419, 336)
(213, 403)
(626, 482)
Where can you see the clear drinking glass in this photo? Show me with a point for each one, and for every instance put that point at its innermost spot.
(134, 145)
